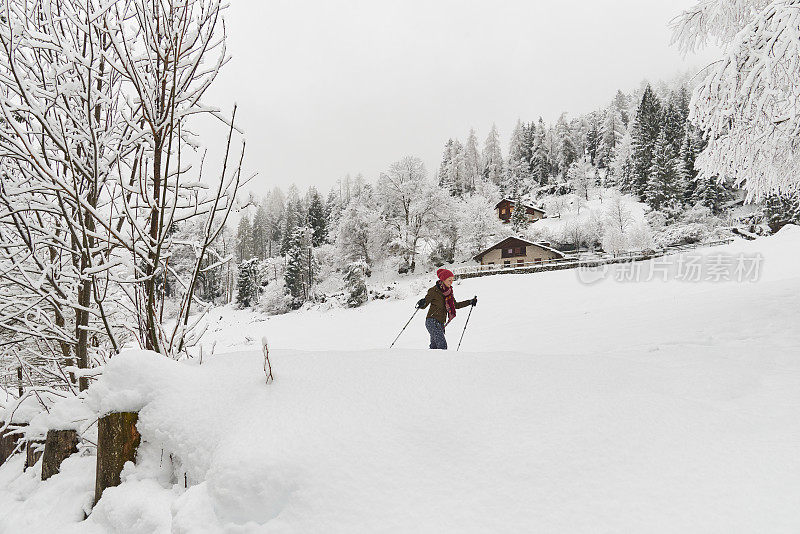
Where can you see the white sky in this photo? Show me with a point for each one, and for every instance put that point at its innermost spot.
(326, 88)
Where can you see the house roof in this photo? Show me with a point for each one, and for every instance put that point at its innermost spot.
(527, 205)
(501, 244)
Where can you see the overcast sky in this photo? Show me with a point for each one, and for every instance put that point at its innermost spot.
(326, 88)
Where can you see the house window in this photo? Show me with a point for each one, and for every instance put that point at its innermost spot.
(507, 263)
(513, 252)
(520, 262)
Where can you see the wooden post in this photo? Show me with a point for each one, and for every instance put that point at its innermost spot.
(117, 440)
(33, 451)
(60, 444)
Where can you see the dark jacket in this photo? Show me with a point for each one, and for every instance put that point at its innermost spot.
(438, 310)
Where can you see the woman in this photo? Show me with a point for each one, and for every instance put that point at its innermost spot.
(443, 307)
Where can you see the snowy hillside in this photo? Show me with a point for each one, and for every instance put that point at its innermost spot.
(578, 403)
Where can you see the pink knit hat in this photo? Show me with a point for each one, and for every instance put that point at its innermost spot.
(444, 274)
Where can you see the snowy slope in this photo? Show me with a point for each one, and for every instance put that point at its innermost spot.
(657, 406)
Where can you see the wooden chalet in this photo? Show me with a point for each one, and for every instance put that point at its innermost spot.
(506, 207)
(516, 251)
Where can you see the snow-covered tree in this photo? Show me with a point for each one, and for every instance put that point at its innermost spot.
(621, 167)
(493, 158)
(355, 281)
(260, 232)
(675, 113)
(592, 137)
(540, 156)
(300, 267)
(317, 217)
(617, 213)
(248, 283)
(87, 123)
(664, 185)
(244, 239)
(518, 163)
(567, 153)
(354, 236)
(644, 133)
(611, 133)
(478, 223)
(410, 204)
(782, 209)
(519, 218)
(748, 103)
(582, 177)
(472, 163)
(711, 193)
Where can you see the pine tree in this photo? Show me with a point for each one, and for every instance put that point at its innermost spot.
(444, 167)
(674, 119)
(611, 132)
(526, 153)
(452, 170)
(517, 166)
(519, 218)
(317, 217)
(244, 239)
(355, 275)
(455, 170)
(293, 276)
(621, 166)
(294, 217)
(782, 209)
(664, 187)
(711, 192)
(593, 137)
(260, 232)
(621, 105)
(540, 158)
(276, 213)
(686, 157)
(644, 133)
(693, 143)
(472, 163)
(248, 283)
(299, 274)
(493, 158)
(567, 152)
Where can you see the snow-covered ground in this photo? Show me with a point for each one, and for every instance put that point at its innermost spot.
(578, 403)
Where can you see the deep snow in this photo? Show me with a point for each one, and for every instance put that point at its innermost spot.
(657, 406)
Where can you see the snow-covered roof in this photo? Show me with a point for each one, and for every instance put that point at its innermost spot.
(500, 243)
(526, 204)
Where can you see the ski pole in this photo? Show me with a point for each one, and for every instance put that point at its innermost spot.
(403, 330)
(465, 327)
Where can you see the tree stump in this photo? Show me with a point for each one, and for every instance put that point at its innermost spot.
(33, 451)
(8, 441)
(60, 444)
(117, 440)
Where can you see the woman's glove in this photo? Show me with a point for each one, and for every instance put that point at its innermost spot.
(474, 300)
(421, 303)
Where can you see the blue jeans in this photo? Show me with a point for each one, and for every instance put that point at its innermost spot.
(436, 330)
